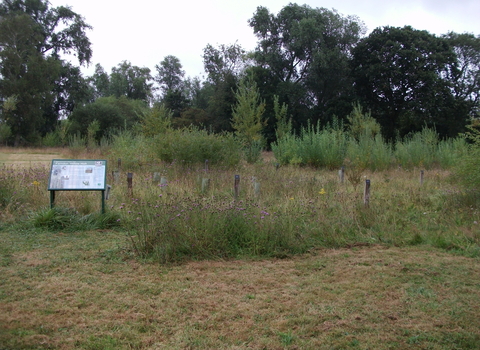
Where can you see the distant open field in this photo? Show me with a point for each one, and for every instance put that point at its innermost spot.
(29, 156)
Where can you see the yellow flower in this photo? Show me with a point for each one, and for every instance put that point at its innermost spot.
(35, 183)
(291, 198)
(322, 191)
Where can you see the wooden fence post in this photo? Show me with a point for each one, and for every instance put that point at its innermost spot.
(341, 174)
(236, 186)
(421, 177)
(366, 193)
(130, 184)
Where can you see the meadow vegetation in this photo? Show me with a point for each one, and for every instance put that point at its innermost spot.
(291, 258)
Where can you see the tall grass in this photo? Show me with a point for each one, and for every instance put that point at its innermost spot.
(333, 147)
(297, 210)
(315, 147)
(278, 211)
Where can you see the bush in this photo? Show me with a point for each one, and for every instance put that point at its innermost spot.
(466, 170)
(193, 146)
(133, 150)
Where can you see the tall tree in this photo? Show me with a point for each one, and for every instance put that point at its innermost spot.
(111, 114)
(224, 66)
(306, 51)
(224, 61)
(247, 113)
(131, 81)
(170, 78)
(100, 81)
(169, 74)
(398, 75)
(32, 39)
(465, 75)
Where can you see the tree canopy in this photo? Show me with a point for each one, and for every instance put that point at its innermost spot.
(314, 63)
(33, 37)
(305, 53)
(400, 74)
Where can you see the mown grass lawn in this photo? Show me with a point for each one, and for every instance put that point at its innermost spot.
(87, 291)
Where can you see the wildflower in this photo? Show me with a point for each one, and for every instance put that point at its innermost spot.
(291, 198)
(35, 183)
(322, 191)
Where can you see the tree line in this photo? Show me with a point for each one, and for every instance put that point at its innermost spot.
(314, 64)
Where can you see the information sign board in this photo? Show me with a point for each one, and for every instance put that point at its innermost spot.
(77, 175)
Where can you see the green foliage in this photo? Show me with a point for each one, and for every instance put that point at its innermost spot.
(54, 219)
(247, 113)
(111, 113)
(331, 147)
(51, 139)
(134, 150)
(132, 82)
(157, 120)
(253, 152)
(284, 125)
(77, 144)
(169, 74)
(315, 147)
(92, 130)
(360, 124)
(467, 168)
(393, 67)
(194, 146)
(5, 132)
(418, 149)
(62, 130)
(305, 54)
(323, 147)
(32, 37)
(286, 150)
(67, 219)
(207, 229)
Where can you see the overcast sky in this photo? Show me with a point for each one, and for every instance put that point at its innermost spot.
(143, 32)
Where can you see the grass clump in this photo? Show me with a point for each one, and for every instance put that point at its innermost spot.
(195, 228)
(67, 219)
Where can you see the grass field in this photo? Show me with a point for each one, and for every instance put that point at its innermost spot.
(405, 273)
(86, 291)
(29, 156)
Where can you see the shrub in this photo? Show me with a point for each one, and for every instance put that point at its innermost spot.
(466, 169)
(192, 145)
(323, 147)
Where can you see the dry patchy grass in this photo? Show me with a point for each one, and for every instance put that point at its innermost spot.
(85, 291)
(30, 156)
